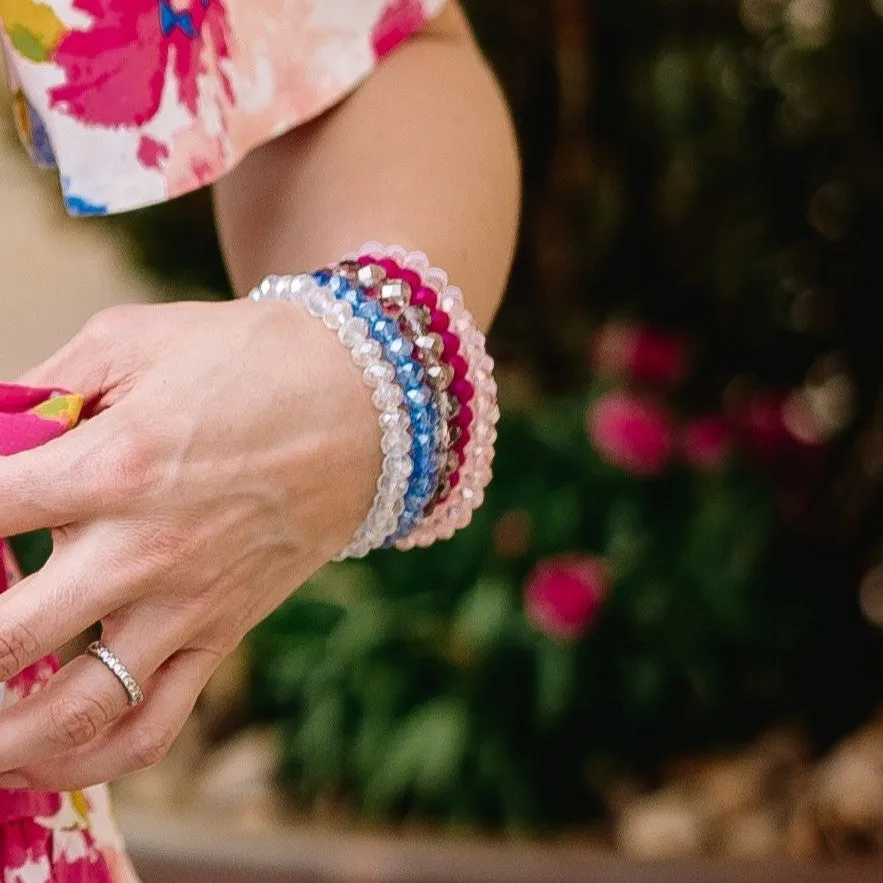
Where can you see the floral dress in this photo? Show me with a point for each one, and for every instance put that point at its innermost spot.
(138, 101)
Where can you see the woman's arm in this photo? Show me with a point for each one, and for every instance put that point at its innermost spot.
(216, 473)
(421, 155)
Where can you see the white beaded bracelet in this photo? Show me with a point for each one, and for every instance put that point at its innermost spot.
(378, 372)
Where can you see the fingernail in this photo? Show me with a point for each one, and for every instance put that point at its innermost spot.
(12, 782)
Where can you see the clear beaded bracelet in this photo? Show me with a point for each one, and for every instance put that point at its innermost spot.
(354, 333)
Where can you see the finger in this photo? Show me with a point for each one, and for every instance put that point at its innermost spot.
(71, 478)
(69, 594)
(85, 697)
(137, 740)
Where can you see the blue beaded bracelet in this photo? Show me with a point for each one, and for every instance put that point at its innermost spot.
(426, 424)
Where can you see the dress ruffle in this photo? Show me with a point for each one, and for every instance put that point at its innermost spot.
(139, 101)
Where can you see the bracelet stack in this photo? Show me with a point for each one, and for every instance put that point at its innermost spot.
(425, 359)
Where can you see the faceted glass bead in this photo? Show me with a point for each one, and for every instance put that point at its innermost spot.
(399, 464)
(409, 374)
(299, 286)
(430, 345)
(447, 531)
(425, 441)
(366, 352)
(397, 443)
(440, 321)
(423, 487)
(349, 270)
(338, 285)
(460, 365)
(450, 344)
(392, 485)
(425, 297)
(387, 396)
(370, 275)
(353, 332)
(452, 300)
(338, 314)
(351, 296)
(419, 395)
(395, 295)
(386, 528)
(377, 373)
(440, 375)
(368, 310)
(421, 421)
(416, 319)
(384, 329)
(318, 301)
(397, 419)
(399, 349)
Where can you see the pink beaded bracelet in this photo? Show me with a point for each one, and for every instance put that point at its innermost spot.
(444, 327)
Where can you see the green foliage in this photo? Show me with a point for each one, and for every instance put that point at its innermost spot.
(415, 684)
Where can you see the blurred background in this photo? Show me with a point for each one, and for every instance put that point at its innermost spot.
(660, 638)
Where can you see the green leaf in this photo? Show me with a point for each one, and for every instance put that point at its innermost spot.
(364, 628)
(425, 754)
(556, 679)
(483, 617)
(320, 739)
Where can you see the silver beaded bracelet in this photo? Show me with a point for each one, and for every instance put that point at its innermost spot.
(388, 397)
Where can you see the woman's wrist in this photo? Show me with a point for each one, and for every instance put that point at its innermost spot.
(420, 351)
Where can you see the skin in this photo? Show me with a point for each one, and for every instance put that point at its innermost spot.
(233, 448)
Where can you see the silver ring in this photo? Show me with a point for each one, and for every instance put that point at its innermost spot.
(121, 673)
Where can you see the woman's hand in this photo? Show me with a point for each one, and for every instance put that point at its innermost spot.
(232, 451)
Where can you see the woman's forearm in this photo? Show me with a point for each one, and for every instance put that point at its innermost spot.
(421, 155)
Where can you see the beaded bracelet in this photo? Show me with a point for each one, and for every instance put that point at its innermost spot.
(433, 385)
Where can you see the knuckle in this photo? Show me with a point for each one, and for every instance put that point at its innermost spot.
(131, 465)
(149, 747)
(106, 326)
(77, 720)
(18, 648)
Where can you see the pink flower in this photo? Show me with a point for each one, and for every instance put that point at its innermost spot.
(630, 432)
(563, 595)
(116, 69)
(641, 353)
(398, 21)
(706, 443)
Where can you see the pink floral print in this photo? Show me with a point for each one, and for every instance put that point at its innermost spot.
(138, 101)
